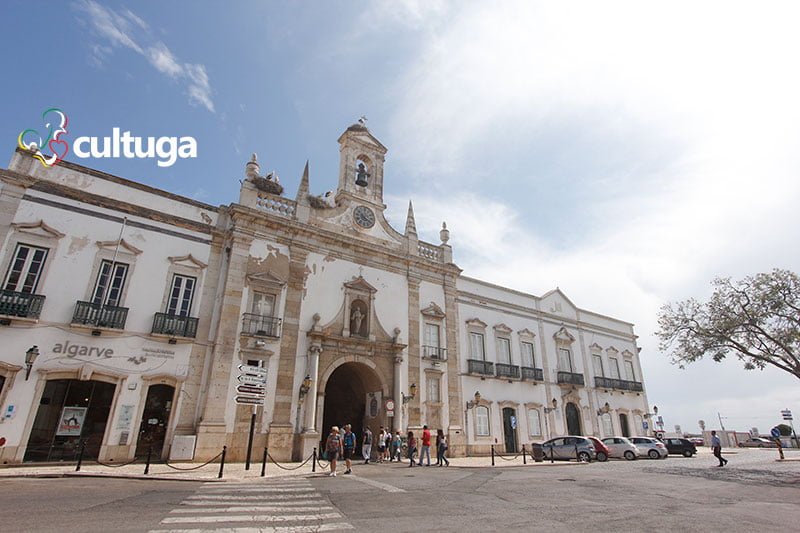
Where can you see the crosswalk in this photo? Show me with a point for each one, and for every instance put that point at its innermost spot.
(275, 506)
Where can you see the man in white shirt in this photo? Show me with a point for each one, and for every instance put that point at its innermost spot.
(716, 446)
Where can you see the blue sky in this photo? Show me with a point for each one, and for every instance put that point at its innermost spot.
(626, 153)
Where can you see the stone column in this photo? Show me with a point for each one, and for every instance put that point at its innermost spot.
(310, 437)
(399, 409)
(413, 351)
(457, 433)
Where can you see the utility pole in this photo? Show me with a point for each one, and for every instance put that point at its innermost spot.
(721, 425)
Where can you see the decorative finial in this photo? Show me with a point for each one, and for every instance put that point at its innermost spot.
(252, 169)
(444, 234)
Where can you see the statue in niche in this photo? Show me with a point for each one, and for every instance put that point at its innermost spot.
(356, 319)
(361, 175)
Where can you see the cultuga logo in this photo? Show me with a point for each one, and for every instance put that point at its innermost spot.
(52, 149)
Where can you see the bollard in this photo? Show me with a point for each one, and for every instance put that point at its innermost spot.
(492, 454)
(82, 446)
(523, 455)
(314, 460)
(264, 463)
(147, 464)
(222, 462)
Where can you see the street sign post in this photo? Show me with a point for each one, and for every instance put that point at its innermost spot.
(252, 390)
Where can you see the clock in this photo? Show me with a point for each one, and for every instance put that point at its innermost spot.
(364, 216)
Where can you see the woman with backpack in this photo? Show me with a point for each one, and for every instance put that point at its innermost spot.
(412, 447)
(333, 448)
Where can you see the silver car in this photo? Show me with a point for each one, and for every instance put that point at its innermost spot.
(652, 448)
(566, 448)
(620, 447)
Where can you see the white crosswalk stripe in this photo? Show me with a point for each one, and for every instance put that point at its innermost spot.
(280, 506)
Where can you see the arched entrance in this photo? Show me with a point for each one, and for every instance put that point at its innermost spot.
(623, 425)
(353, 395)
(573, 419)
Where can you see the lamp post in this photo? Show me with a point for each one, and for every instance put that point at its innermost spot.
(30, 358)
(305, 386)
(412, 392)
(547, 411)
(470, 405)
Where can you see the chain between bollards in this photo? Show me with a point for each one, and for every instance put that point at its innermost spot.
(492, 454)
(314, 460)
(264, 463)
(82, 446)
(222, 462)
(524, 461)
(147, 464)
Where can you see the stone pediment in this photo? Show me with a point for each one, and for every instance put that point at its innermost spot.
(124, 246)
(188, 261)
(556, 302)
(627, 353)
(433, 311)
(526, 333)
(266, 279)
(563, 335)
(502, 328)
(363, 136)
(360, 284)
(476, 323)
(40, 229)
(612, 351)
(596, 347)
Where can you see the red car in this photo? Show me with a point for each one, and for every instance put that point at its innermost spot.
(600, 448)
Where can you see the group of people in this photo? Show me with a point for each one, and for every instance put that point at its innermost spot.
(389, 447)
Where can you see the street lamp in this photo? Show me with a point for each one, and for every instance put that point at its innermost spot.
(547, 411)
(412, 392)
(475, 402)
(305, 386)
(604, 410)
(30, 358)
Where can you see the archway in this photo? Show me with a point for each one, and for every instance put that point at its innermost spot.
(353, 395)
(573, 420)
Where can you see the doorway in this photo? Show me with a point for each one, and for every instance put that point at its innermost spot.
(346, 402)
(155, 420)
(573, 420)
(70, 412)
(623, 425)
(510, 429)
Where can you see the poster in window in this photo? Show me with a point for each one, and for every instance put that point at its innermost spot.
(71, 422)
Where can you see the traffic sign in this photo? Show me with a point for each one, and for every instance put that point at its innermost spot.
(252, 370)
(390, 405)
(786, 414)
(249, 400)
(252, 380)
(251, 389)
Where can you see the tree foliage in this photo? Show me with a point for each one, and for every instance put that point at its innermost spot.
(756, 320)
(786, 430)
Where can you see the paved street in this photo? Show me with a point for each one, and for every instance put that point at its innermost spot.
(752, 492)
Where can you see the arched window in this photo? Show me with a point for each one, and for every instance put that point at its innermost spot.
(482, 421)
(608, 428)
(534, 423)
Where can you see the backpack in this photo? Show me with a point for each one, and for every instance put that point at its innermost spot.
(350, 440)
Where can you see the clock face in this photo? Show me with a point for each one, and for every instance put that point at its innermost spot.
(364, 216)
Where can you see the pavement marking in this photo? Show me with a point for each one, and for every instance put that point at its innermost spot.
(259, 489)
(229, 502)
(377, 484)
(250, 518)
(254, 509)
(223, 497)
(279, 529)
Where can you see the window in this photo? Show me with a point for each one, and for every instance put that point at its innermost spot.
(180, 297)
(598, 366)
(476, 348)
(528, 359)
(431, 341)
(263, 304)
(614, 364)
(534, 422)
(503, 351)
(564, 360)
(482, 420)
(434, 395)
(25, 269)
(108, 289)
(629, 375)
(2, 384)
(608, 429)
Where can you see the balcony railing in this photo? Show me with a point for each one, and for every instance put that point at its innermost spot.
(106, 316)
(434, 353)
(21, 304)
(507, 371)
(484, 368)
(532, 374)
(618, 384)
(261, 326)
(176, 326)
(570, 378)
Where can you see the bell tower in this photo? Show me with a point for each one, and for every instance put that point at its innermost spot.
(361, 158)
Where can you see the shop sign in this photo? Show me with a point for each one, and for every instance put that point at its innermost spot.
(123, 356)
(71, 422)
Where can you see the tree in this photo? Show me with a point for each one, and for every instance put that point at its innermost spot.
(756, 319)
(786, 431)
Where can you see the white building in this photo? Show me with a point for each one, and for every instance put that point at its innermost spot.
(143, 304)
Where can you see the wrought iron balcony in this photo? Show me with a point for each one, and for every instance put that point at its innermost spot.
(507, 371)
(105, 316)
(484, 368)
(532, 374)
(618, 384)
(21, 304)
(261, 326)
(434, 353)
(570, 378)
(175, 326)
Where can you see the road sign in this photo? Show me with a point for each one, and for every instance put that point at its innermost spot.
(786, 414)
(390, 405)
(251, 389)
(252, 380)
(253, 370)
(249, 400)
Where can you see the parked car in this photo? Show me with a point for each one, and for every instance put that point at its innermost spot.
(652, 448)
(601, 449)
(680, 447)
(697, 441)
(620, 447)
(571, 447)
(758, 442)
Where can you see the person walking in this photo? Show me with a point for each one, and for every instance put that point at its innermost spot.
(388, 442)
(349, 446)
(381, 445)
(426, 446)
(411, 442)
(397, 447)
(366, 445)
(716, 447)
(333, 448)
(441, 449)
